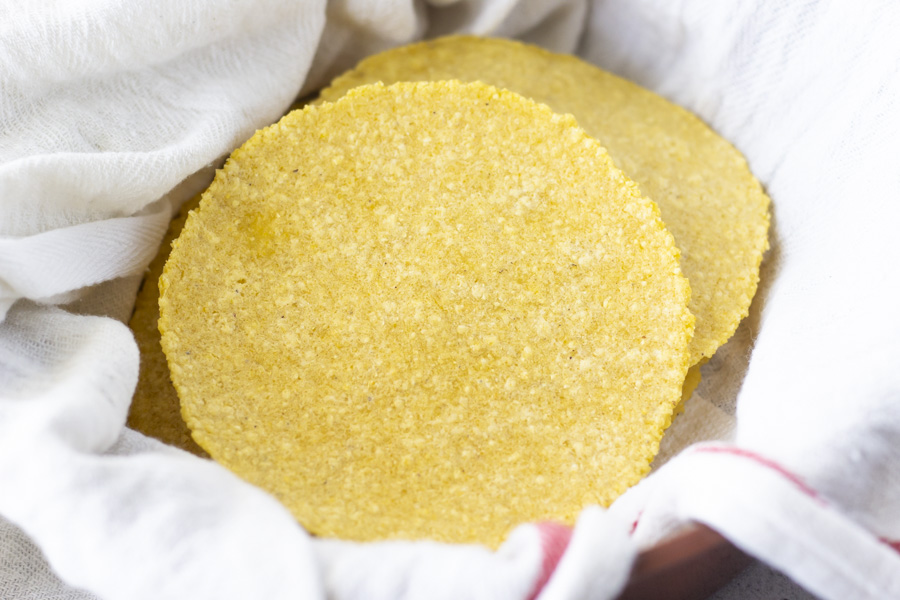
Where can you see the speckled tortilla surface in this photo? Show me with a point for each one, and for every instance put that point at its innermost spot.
(431, 310)
(709, 200)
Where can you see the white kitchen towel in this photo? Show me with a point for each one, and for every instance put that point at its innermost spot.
(106, 107)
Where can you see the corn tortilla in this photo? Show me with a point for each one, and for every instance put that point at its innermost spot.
(431, 310)
(708, 198)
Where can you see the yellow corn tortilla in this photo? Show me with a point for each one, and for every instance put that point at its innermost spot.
(431, 310)
(709, 200)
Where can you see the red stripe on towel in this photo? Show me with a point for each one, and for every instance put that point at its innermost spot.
(766, 462)
(555, 539)
(634, 524)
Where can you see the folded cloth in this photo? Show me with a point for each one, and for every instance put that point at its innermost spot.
(106, 108)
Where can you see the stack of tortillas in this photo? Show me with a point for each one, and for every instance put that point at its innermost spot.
(439, 309)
